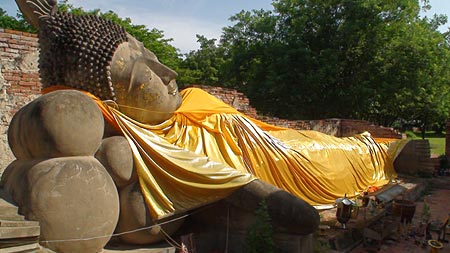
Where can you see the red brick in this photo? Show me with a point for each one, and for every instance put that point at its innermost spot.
(13, 32)
(5, 35)
(5, 54)
(24, 83)
(14, 41)
(13, 91)
(12, 78)
(14, 71)
(33, 44)
(16, 46)
(11, 50)
(28, 37)
(30, 75)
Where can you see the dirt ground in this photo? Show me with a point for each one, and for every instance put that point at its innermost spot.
(409, 239)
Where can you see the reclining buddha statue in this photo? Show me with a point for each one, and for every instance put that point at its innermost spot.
(112, 146)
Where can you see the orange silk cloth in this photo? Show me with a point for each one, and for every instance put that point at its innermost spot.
(316, 167)
(207, 149)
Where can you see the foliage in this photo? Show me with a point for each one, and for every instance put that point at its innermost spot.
(256, 62)
(426, 212)
(18, 24)
(259, 236)
(203, 66)
(311, 59)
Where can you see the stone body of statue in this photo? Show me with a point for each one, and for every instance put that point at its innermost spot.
(70, 172)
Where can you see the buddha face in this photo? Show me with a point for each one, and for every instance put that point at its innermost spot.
(145, 89)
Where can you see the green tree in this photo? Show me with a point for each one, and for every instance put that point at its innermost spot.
(18, 24)
(311, 59)
(260, 234)
(255, 60)
(413, 74)
(203, 66)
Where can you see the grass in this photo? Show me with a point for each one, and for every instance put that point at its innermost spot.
(437, 140)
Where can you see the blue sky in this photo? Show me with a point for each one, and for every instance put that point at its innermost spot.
(183, 19)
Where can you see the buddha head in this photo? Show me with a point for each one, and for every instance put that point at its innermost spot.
(96, 55)
(146, 90)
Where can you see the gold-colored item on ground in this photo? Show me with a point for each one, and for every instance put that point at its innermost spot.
(435, 246)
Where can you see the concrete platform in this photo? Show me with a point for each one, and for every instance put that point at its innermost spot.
(19, 232)
(20, 223)
(7, 208)
(16, 234)
(34, 247)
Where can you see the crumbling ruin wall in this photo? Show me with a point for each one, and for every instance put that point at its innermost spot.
(349, 127)
(19, 81)
(232, 97)
(415, 159)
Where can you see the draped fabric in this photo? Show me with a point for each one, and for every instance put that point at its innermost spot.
(315, 167)
(207, 149)
(174, 179)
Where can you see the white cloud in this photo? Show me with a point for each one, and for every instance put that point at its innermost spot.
(183, 30)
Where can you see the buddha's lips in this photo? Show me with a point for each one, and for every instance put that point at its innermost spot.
(172, 87)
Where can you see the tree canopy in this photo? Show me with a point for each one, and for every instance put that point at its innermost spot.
(310, 59)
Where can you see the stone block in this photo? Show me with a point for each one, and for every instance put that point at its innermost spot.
(134, 215)
(60, 123)
(33, 247)
(18, 232)
(116, 155)
(76, 203)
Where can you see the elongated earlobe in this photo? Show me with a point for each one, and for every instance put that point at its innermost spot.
(36, 10)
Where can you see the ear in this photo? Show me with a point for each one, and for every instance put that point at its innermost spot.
(35, 10)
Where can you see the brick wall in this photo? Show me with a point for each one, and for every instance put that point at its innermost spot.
(349, 127)
(19, 81)
(415, 159)
(232, 97)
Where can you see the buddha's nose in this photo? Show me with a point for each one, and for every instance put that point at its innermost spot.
(168, 75)
(165, 73)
